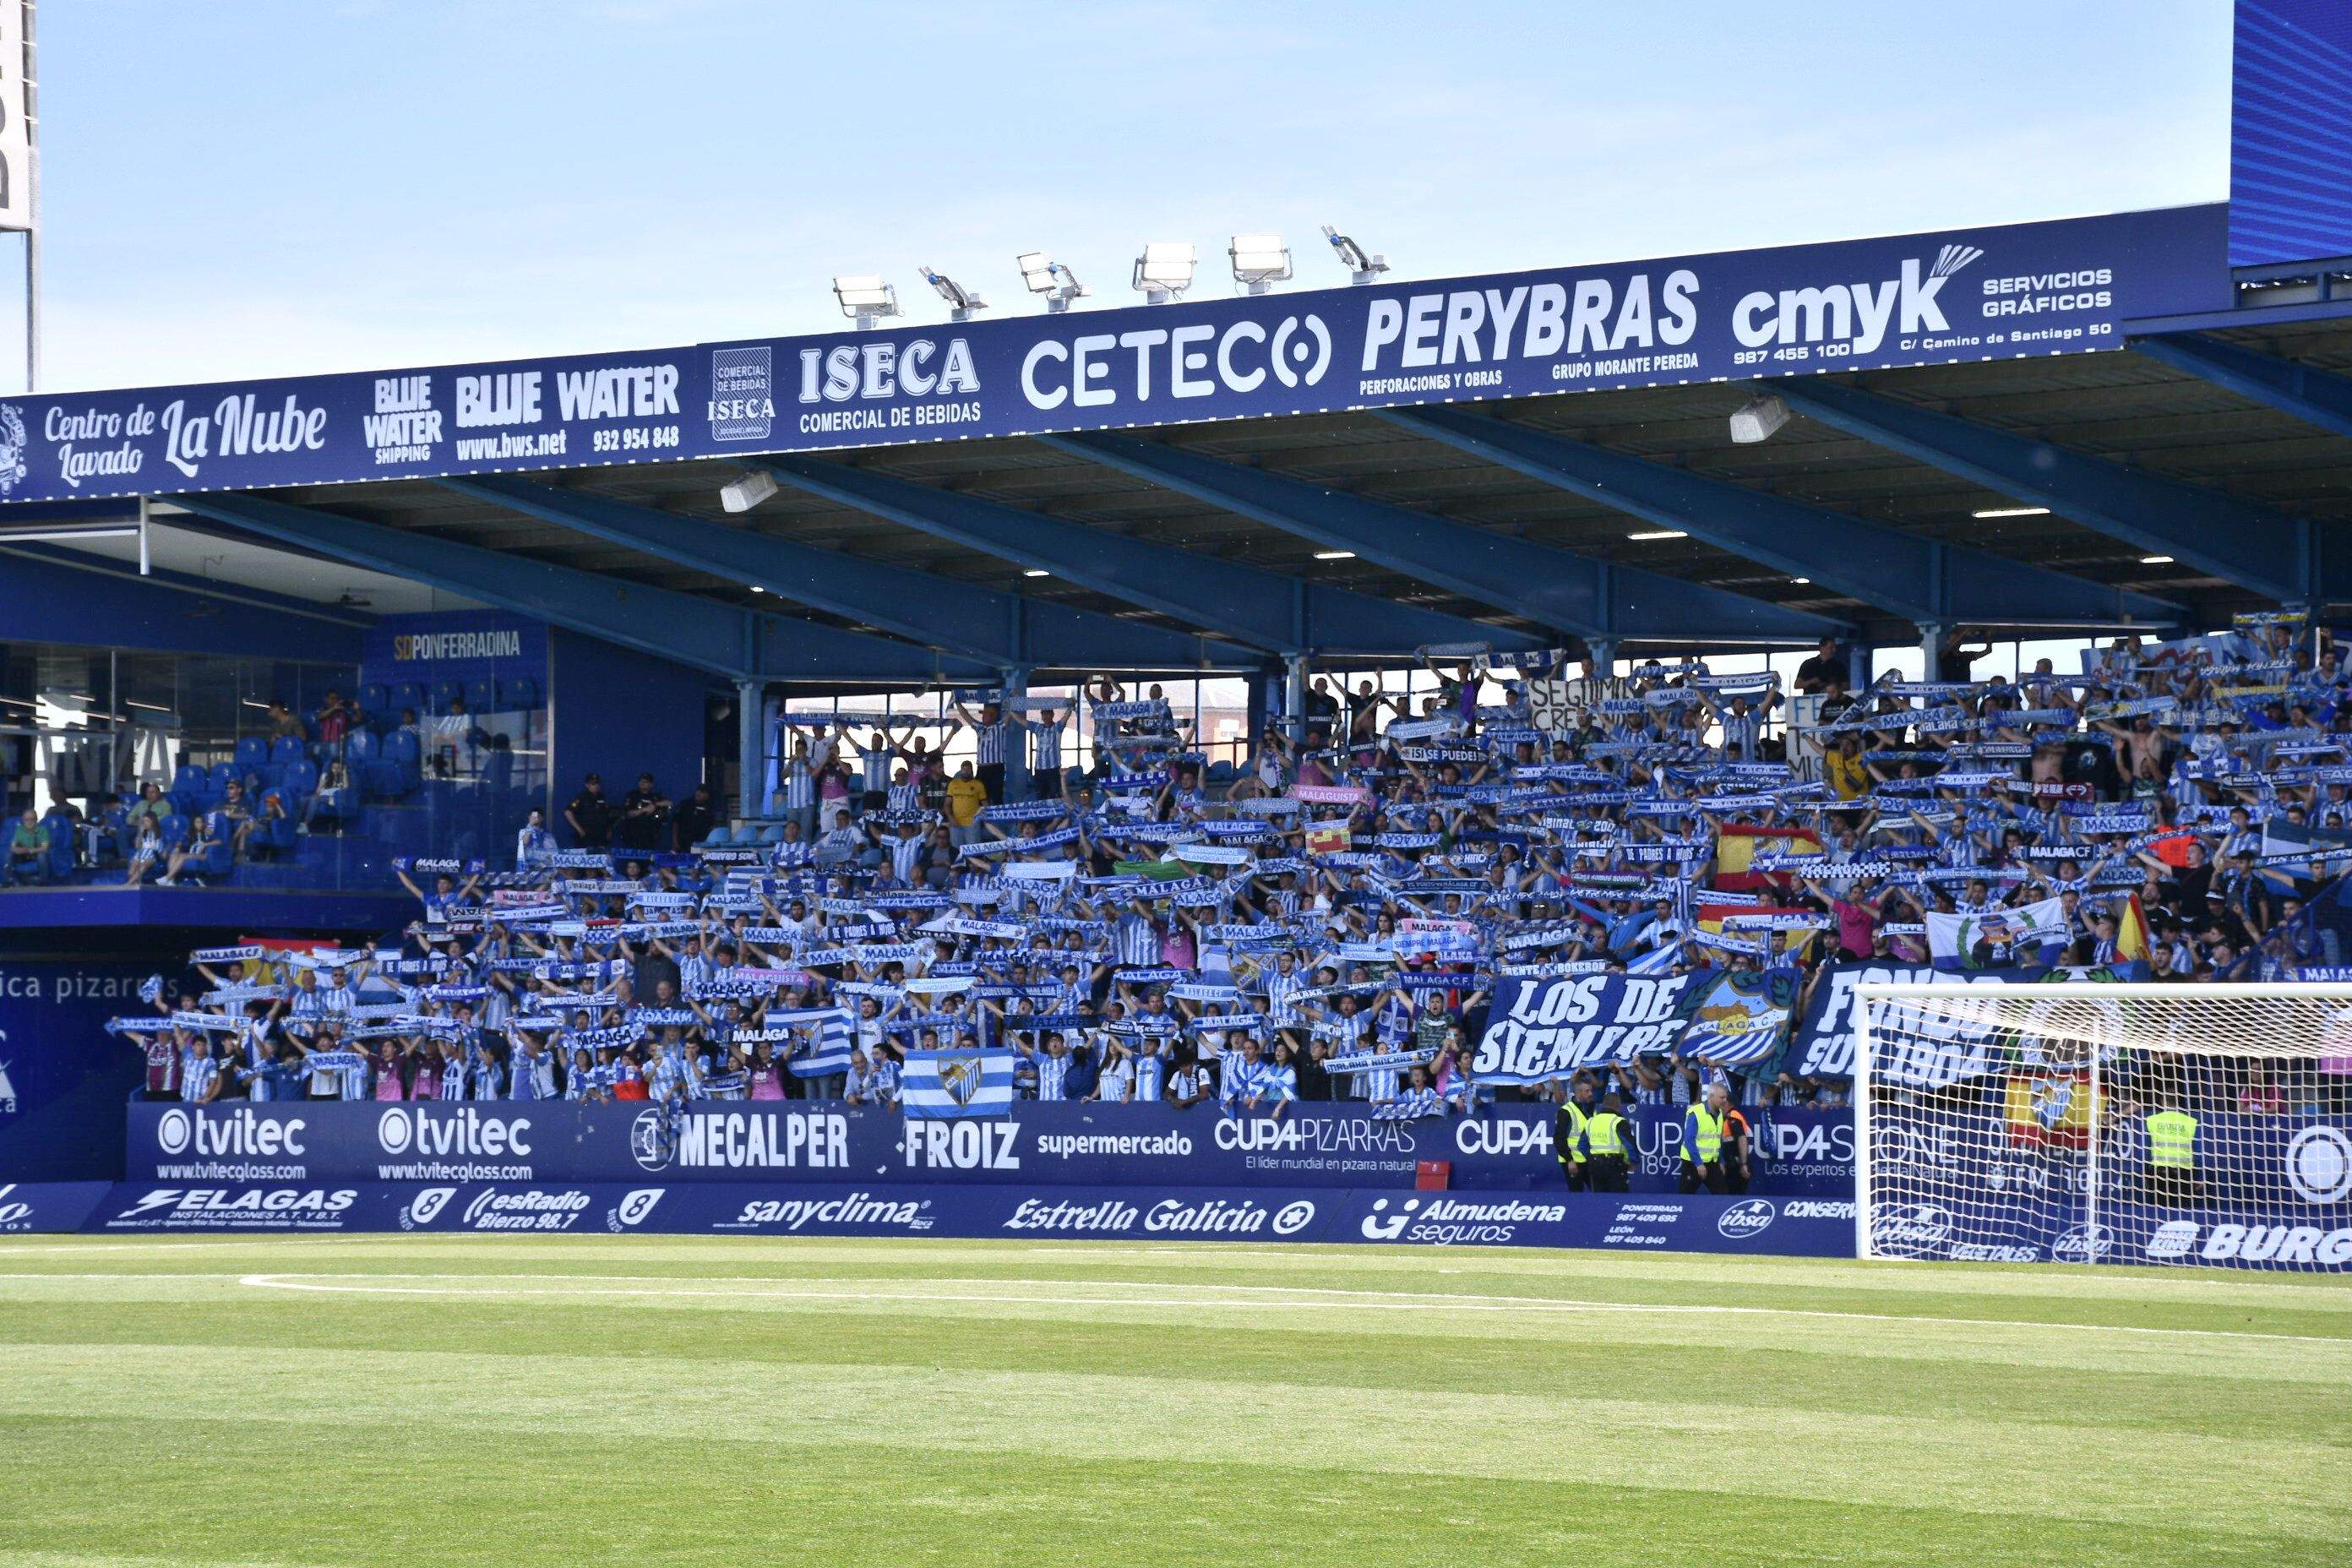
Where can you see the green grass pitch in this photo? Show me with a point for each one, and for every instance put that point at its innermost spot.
(508, 1401)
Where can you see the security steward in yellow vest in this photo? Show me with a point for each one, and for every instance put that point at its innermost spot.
(1713, 1146)
(1608, 1137)
(2171, 1156)
(1568, 1136)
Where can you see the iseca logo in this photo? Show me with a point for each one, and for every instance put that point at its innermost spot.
(1852, 318)
(1746, 1218)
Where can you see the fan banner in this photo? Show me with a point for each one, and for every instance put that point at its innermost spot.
(1824, 1042)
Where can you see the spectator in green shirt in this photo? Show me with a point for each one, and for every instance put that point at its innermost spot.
(29, 849)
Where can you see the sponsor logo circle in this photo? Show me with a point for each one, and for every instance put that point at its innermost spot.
(2319, 1164)
(171, 1131)
(649, 1139)
(392, 1131)
(1292, 1218)
(1748, 1216)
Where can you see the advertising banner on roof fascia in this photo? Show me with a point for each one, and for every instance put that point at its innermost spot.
(1994, 291)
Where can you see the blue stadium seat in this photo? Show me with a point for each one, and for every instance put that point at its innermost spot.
(280, 834)
(517, 692)
(405, 694)
(340, 806)
(285, 750)
(446, 694)
(720, 836)
(773, 833)
(399, 767)
(216, 790)
(374, 698)
(172, 830)
(190, 784)
(361, 750)
(64, 843)
(481, 695)
(252, 755)
(212, 864)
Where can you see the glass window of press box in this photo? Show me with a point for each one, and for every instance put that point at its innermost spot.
(346, 776)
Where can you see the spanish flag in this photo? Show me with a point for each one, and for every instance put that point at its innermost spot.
(1737, 846)
(1709, 919)
(1327, 839)
(2050, 1111)
(2131, 933)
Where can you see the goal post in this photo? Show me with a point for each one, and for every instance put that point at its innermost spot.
(2087, 1123)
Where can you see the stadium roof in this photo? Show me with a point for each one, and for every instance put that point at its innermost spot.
(2222, 439)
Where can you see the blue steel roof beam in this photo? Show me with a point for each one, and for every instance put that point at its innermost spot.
(962, 617)
(1553, 587)
(2262, 551)
(1267, 610)
(1918, 579)
(2320, 398)
(675, 626)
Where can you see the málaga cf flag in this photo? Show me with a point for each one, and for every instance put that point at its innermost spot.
(1992, 937)
(957, 1083)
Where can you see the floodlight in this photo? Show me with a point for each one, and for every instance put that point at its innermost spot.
(866, 298)
(744, 493)
(1048, 277)
(1361, 267)
(961, 301)
(1260, 260)
(1756, 420)
(1164, 270)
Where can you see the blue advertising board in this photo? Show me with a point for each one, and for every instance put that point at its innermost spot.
(1996, 291)
(1787, 1226)
(2291, 133)
(62, 1076)
(1506, 1149)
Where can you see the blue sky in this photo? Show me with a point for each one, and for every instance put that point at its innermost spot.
(270, 186)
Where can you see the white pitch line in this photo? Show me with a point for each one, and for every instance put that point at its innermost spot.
(1368, 1301)
(134, 1245)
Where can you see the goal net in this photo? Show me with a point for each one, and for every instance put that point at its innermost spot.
(2081, 1123)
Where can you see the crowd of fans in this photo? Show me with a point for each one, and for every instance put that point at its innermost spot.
(1328, 921)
